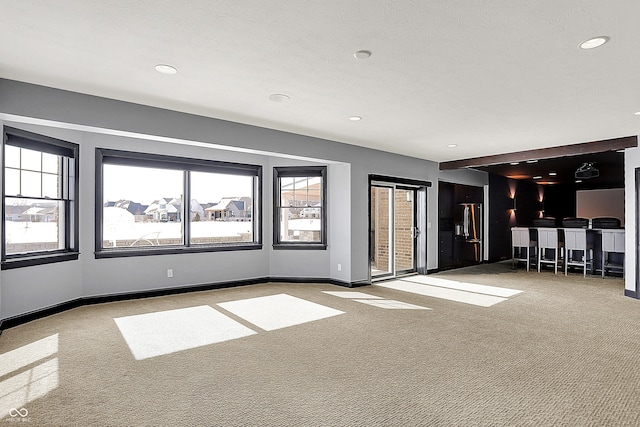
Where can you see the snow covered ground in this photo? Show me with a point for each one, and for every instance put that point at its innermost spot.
(29, 232)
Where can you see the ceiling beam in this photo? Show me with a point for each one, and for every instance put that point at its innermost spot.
(544, 153)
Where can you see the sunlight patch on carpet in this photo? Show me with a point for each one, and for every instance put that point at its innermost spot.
(462, 286)
(443, 293)
(21, 386)
(391, 304)
(27, 354)
(351, 294)
(19, 390)
(278, 311)
(164, 332)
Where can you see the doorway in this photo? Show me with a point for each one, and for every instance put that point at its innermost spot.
(396, 217)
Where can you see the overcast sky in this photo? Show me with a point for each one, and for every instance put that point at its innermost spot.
(144, 185)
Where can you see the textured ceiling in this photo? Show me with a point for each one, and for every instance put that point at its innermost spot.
(490, 76)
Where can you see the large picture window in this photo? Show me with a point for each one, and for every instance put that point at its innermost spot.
(300, 219)
(40, 195)
(153, 204)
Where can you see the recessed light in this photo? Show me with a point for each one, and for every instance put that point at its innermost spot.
(537, 177)
(362, 54)
(166, 69)
(279, 97)
(637, 113)
(532, 161)
(355, 118)
(514, 163)
(452, 145)
(578, 181)
(552, 174)
(594, 42)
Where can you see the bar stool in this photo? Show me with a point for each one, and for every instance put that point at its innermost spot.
(612, 241)
(575, 239)
(548, 239)
(520, 239)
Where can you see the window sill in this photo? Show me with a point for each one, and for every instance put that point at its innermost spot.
(300, 246)
(133, 252)
(29, 261)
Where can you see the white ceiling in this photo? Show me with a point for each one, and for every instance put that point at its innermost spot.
(490, 76)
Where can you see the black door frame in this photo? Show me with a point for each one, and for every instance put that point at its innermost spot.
(636, 293)
(420, 218)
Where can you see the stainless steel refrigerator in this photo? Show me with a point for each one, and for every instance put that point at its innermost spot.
(468, 231)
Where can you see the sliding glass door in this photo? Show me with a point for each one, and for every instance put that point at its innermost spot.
(381, 231)
(405, 230)
(393, 229)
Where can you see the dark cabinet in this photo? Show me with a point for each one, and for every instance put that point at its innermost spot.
(459, 233)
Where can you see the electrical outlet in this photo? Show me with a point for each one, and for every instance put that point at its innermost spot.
(339, 267)
(170, 272)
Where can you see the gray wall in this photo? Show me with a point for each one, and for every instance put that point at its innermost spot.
(92, 122)
(631, 163)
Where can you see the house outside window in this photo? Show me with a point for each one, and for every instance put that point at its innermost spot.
(300, 220)
(154, 204)
(40, 194)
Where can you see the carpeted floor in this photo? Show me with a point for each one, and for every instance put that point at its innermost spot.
(564, 351)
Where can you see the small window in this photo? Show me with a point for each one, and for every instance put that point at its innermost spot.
(40, 194)
(300, 220)
(153, 204)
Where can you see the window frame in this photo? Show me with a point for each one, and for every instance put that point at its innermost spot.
(45, 144)
(299, 171)
(186, 165)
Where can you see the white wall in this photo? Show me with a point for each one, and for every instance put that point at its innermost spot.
(631, 162)
(339, 223)
(99, 122)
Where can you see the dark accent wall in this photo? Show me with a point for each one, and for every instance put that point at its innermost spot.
(501, 217)
(502, 193)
